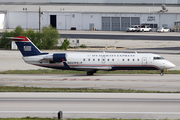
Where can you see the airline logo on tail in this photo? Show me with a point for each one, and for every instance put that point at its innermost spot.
(26, 47)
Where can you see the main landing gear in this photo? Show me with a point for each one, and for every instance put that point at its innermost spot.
(162, 72)
(91, 72)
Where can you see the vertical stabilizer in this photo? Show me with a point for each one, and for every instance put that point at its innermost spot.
(26, 47)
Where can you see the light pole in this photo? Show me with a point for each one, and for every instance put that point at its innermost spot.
(39, 19)
(153, 15)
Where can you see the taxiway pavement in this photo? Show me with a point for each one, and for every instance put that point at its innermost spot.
(91, 105)
(149, 82)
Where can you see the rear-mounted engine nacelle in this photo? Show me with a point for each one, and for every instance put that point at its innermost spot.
(59, 57)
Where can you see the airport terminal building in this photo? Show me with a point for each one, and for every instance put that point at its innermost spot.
(103, 15)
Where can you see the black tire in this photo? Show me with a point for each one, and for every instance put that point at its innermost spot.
(90, 73)
(161, 74)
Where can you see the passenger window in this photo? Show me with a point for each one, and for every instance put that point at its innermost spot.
(93, 59)
(122, 59)
(98, 59)
(108, 59)
(137, 59)
(83, 59)
(88, 59)
(128, 59)
(112, 59)
(133, 59)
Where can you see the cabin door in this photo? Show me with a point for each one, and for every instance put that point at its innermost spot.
(144, 61)
(103, 59)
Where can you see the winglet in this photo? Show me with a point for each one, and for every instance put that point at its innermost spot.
(19, 38)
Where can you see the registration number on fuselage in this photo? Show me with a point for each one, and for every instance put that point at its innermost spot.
(74, 63)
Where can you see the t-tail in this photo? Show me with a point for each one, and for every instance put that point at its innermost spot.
(26, 47)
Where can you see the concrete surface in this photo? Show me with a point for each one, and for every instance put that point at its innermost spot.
(91, 105)
(147, 82)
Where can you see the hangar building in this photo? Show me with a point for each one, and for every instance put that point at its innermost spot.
(105, 15)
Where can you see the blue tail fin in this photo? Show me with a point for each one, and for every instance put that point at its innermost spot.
(26, 47)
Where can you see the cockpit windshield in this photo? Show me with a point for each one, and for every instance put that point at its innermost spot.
(158, 58)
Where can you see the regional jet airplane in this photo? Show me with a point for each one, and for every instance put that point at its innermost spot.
(90, 62)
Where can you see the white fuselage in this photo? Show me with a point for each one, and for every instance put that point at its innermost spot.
(104, 61)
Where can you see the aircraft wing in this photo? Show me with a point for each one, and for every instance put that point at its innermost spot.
(88, 67)
(92, 68)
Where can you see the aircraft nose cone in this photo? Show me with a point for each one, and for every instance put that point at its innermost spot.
(170, 65)
(173, 65)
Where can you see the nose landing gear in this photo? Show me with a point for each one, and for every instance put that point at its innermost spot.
(162, 72)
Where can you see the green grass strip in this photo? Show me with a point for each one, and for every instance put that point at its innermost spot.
(54, 71)
(83, 90)
(27, 118)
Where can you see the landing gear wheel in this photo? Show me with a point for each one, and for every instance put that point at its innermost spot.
(162, 72)
(90, 72)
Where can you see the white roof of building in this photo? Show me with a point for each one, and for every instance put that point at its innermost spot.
(92, 8)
